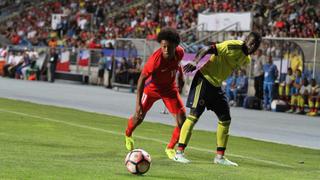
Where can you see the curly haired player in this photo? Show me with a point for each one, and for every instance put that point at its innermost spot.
(157, 81)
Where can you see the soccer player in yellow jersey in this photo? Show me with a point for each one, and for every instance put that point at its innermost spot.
(206, 92)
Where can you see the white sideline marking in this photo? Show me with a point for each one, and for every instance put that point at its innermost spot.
(140, 137)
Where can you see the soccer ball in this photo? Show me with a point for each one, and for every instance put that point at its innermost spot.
(138, 161)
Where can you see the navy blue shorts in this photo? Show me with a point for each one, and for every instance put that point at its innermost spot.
(203, 95)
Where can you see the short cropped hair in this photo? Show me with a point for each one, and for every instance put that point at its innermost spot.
(169, 34)
(256, 36)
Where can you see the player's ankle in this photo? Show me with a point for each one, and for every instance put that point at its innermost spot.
(170, 146)
(179, 151)
(181, 147)
(219, 156)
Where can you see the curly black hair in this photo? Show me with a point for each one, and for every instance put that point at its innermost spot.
(169, 34)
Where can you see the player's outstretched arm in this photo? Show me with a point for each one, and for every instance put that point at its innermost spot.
(191, 66)
(180, 79)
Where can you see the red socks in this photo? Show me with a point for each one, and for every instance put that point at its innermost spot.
(130, 127)
(174, 138)
(220, 151)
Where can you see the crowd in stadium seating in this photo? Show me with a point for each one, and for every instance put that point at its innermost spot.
(87, 24)
(295, 19)
(4, 4)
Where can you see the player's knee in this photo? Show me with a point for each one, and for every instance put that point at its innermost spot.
(194, 113)
(181, 117)
(225, 118)
(181, 111)
(192, 118)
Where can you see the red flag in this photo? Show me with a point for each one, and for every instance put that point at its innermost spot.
(84, 56)
(64, 63)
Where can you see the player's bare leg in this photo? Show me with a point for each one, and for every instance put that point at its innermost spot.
(133, 122)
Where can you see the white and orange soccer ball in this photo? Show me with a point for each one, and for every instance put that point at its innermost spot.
(138, 161)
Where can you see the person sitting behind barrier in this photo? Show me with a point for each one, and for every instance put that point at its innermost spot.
(286, 87)
(295, 92)
(3, 57)
(33, 72)
(241, 87)
(303, 96)
(230, 85)
(134, 72)
(14, 61)
(7, 64)
(122, 71)
(33, 58)
(20, 72)
(314, 98)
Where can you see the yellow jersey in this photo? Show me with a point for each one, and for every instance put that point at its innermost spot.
(230, 57)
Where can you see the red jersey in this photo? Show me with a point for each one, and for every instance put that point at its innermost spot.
(161, 72)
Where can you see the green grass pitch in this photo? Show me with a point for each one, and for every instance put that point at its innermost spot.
(47, 142)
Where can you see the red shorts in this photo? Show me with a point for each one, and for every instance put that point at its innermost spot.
(171, 99)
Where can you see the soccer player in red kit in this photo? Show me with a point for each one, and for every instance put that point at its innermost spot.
(157, 81)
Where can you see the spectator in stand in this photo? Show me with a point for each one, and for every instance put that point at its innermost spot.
(258, 61)
(99, 13)
(94, 43)
(15, 39)
(314, 98)
(53, 60)
(52, 43)
(295, 92)
(270, 76)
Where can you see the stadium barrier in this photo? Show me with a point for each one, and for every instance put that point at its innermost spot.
(82, 64)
